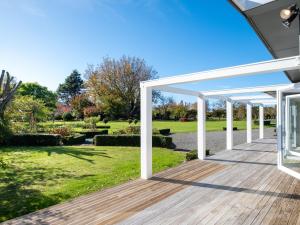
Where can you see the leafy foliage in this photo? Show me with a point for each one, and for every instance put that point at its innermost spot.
(38, 92)
(71, 87)
(114, 85)
(79, 103)
(91, 122)
(67, 116)
(28, 109)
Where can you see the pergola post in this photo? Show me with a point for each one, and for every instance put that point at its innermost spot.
(146, 132)
(229, 125)
(261, 122)
(249, 123)
(201, 117)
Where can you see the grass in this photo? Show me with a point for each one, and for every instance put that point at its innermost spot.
(37, 177)
(175, 126)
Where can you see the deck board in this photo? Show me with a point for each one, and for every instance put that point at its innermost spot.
(241, 186)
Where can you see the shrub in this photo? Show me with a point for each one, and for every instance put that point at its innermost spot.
(165, 131)
(35, 139)
(191, 155)
(105, 120)
(130, 121)
(103, 127)
(67, 116)
(91, 122)
(5, 132)
(74, 139)
(135, 121)
(131, 140)
(129, 130)
(92, 133)
(58, 116)
(63, 131)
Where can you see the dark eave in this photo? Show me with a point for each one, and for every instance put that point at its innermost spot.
(280, 41)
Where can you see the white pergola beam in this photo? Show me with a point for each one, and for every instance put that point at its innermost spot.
(261, 122)
(146, 132)
(253, 97)
(201, 133)
(249, 123)
(270, 102)
(229, 125)
(283, 64)
(178, 90)
(247, 90)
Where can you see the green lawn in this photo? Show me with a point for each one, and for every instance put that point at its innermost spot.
(37, 177)
(175, 126)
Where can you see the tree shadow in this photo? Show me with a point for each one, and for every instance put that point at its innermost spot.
(79, 153)
(18, 195)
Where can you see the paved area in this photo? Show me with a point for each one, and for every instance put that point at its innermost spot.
(216, 141)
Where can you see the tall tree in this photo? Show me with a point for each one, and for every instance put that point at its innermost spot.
(8, 88)
(114, 85)
(71, 87)
(38, 92)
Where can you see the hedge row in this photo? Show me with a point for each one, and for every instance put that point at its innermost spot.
(35, 140)
(74, 139)
(131, 140)
(165, 131)
(91, 134)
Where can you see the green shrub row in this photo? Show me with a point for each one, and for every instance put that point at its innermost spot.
(165, 131)
(74, 139)
(91, 133)
(131, 140)
(35, 140)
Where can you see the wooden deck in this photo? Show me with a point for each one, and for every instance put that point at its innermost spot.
(242, 186)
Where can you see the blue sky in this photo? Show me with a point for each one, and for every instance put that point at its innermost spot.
(45, 40)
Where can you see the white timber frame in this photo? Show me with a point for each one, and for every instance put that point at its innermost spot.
(163, 84)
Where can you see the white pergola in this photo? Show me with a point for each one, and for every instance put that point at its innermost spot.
(163, 84)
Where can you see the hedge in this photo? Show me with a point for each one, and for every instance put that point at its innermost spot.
(91, 134)
(234, 128)
(74, 139)
(131, 140)
(266, 122)
(165, 131)
(35, 140)
(103, 127)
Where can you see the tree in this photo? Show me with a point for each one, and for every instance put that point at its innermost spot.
(8, 88)
(38, 92)
(114, 85)
(71, 87)
(28, 109)
(79, 103)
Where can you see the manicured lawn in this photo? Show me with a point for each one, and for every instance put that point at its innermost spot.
(37, 177)
(175, 126)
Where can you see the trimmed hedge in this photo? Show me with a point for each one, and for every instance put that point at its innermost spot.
(103, 127)
(193, 154)
(266, 122)
(165, 131)
(74, 139)
(35, 140)
(131, 140)
(92, 134)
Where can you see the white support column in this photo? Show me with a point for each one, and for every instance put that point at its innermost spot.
(229, 125)
(261, 121)
(146, 132)
(249, 123)
(201, 117)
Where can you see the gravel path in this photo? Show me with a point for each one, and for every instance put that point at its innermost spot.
(215, 141)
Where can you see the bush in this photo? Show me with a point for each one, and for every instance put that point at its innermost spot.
(63, 131)
(130, 121)
(234, 128)
(76, 139)
(135, 121)
(58, 116)
(105, 120)
(67, 116)
(91, 122)
(35, 140)
(129, 130)
(191, 155)
(131, 140)
(165, 131)
(92, 133)
(103, 127)
(266, 122)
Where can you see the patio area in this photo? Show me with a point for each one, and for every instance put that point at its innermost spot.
(238, 186)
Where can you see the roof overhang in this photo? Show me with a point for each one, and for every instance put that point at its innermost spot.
(263, 16)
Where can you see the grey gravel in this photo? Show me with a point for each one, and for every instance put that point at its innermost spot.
(216, 141)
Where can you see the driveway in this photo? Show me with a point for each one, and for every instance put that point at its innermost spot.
(216, 141)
